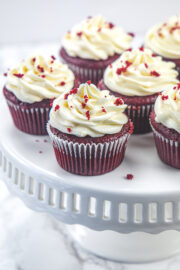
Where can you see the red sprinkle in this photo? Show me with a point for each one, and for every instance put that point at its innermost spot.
(86, 98)
(129, 176)
(129, 50)
(69, 130)
(154, 73)
(53, 58)
(40, 152)
(56, 108)
(99, 29)
(41, 69)
(83, 105)
(51, 69)
(45, 141)
(88, 115)
(88, 82)
(43, 76)
(160, 93)
(154, 55)
(118, 102)
(5, 74)
(174, 28)
(62, 83)
(110, 65)
(66, 95)
(34, 59)
(164, 97)
(131, 34)
(146, 65)
(79, 34)
(74, 91)
(18, 75)
(174, 88)
(111, 25)
(103, 109)
(52, 62)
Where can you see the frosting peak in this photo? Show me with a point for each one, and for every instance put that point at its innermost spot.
(87, 111)
(167, 108)
(38, 78)
(139, 73)
(95, 38)
(164, 38)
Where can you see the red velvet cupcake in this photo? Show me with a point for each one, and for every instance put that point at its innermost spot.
(91, 46)
(137, 77)
(30, 89)
(164, 40)
(165, 122)
(89, 130)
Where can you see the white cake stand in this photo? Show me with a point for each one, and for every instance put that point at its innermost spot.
(132, 221)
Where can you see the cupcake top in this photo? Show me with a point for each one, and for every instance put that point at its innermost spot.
(95, 38)
(164, 38)
(139, 73)
(37, 78)
(87, 111)
(167, 108)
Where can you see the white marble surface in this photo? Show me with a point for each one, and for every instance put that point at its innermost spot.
(35, 241)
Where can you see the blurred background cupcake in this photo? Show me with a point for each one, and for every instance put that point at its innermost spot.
(30, 88)
(89, 130)
(164, 40)
(90, 46)
(165, 121)
(137, 77)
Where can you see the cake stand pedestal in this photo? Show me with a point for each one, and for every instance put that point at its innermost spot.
(131, 221)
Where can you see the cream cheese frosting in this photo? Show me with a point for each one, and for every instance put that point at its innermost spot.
(38, 78)
(95, 38)
(87, 111)
(139, 73)
(167, 108)
(164, 38)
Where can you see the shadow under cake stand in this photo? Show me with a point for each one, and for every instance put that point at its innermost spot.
(130, 221)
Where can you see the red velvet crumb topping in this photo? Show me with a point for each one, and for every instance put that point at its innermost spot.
(111, 25)
(86, 98)
(66, 95)
(53, 58)
(74, 91)
(62, 83)
(131, 34)
(5, 74)
(146, 65)
(163, 97)
(56, 108)
(79, 34)
(83, 105)
(18, 75)
(154, 73)
(69, 130)
(141, 48)
(103, 109)
(129, 176)
(88, 115)
(41, 69)
(118, 102)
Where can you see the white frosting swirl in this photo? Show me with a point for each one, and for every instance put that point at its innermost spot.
(167, 108)
(139, 73)
(95, 38)
(38, 78)
(164, 38)
(88, 112)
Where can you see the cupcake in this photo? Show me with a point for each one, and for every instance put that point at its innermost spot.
(165, 121)
(91, 46)
(30, 88)
(89, 130)
(164, 40)
(137, 77)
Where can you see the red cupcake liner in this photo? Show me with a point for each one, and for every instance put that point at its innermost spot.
(91, 158)
(30, 120)
(139, 115)
(86, 74)
(168, 150)
(87, 69)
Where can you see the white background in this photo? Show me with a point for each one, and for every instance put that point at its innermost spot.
(46, 20)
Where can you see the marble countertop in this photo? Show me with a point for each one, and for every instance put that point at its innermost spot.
(36, 241)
